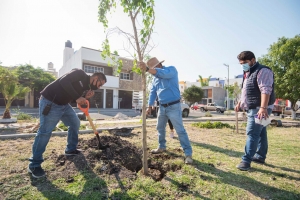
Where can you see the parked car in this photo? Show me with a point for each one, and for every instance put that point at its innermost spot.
(196, 106)
(185, 109)
(277, 110)
(212, 107)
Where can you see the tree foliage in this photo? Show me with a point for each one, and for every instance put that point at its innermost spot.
(193, 94)
(234, 91)
(10, 89)
(204, 82)
(284, 59)
(141, 36)
(34, 78)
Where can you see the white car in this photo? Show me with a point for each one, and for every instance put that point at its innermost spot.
(185, 109)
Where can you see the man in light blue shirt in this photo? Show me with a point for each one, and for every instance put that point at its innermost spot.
(166, 88)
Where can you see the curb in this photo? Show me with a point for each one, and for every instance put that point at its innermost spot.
(64, 133)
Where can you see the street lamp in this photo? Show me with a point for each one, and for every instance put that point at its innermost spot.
(227, 86)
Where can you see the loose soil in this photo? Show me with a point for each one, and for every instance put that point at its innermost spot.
(120, 158)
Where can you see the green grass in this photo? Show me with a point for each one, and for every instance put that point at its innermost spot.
(216, 152)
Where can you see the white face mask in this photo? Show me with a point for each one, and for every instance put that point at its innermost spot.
(245, 67)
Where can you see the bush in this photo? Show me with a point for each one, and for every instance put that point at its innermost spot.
(62, 126)
(22, 115)
(210, 125)
(208, 114)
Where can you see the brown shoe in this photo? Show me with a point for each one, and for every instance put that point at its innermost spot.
(157, 151)
(188, 160)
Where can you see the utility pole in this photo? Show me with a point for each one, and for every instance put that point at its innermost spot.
(227, 86)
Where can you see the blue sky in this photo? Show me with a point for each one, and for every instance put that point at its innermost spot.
(195, 36)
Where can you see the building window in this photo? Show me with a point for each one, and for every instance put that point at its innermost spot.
(125, 76)
(93, 69)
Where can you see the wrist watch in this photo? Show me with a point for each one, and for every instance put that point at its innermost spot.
(147, 68)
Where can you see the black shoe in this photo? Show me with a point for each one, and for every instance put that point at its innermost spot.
(37, 172)
(73, 153)
(257, 160)
(243, 166)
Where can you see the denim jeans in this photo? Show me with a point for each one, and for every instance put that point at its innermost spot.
(173, 113)
(257, 140)
(67, 115)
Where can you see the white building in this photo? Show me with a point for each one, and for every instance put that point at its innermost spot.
(117, 91)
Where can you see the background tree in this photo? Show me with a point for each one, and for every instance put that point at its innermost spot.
(234, 92)
(34, 78)
(204, 82)
(284, 59)
(10, 89)
(138, 39)
(193, 94)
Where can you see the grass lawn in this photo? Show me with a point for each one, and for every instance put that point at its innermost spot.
(214, 175)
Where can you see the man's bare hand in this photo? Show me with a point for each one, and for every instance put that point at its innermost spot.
(237, 107)
(81, 101)
(142, 66)
(262, 113)
(148, 111)
(89, 94)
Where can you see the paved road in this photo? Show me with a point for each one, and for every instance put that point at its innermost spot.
(105, 113)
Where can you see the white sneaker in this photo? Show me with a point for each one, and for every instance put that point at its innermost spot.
(172, 135)
(188, 160)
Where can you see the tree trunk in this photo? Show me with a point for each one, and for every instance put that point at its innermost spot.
(144, 139)
(6, 114)
(237, 121)
(293, 114)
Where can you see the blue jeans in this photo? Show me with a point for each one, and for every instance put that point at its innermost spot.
(67, 115)
(173, 113)
(257, 140)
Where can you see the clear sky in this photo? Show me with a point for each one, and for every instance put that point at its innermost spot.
(196, 36)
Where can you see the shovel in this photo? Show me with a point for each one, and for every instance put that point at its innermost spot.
(85, 109)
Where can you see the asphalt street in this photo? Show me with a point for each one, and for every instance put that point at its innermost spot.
(105, 113)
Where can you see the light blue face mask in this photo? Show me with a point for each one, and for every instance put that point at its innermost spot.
(245, 67)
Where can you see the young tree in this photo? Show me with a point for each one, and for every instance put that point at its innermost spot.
(193, 94)
(284, 59)
(137, 11)
(11, 89)
(203, 81)
(235, 93)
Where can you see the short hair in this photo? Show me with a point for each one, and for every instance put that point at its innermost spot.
(100, 76)
(246, 55)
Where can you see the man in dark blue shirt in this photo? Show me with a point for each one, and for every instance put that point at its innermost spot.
(54, 106)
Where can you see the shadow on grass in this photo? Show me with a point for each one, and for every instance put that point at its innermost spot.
(230, 153)
(94, 187)
(277, 174)
(246, 183)
(282, 168)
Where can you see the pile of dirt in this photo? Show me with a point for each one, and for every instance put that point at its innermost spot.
(120, 116)
(119, 158)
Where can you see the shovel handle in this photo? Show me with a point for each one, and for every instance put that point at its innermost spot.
(92, 124)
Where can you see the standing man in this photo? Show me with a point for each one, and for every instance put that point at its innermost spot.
(54, 106)
(257, 99)
(165, 87)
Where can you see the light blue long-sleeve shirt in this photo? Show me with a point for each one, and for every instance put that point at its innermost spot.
(164, 86)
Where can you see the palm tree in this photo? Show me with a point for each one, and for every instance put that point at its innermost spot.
(204, 82)
(10, 89)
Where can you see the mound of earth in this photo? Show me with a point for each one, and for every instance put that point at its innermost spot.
(120, 157)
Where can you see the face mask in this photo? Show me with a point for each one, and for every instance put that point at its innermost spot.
(93, 87)
(245, 67)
